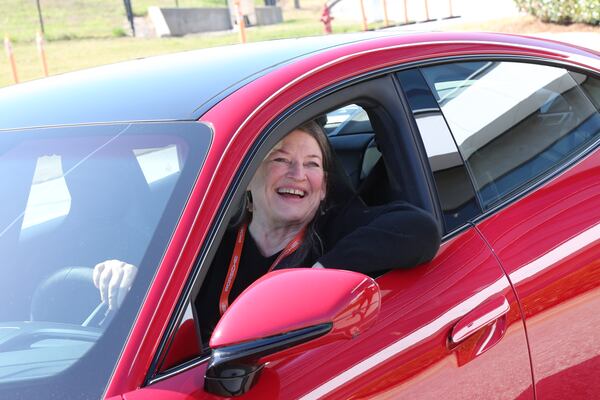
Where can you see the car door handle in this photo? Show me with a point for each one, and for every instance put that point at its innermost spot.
(482, 316)
(485, 325)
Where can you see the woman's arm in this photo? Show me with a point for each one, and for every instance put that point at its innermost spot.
(372, 239)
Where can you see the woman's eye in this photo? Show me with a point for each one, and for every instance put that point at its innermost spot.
(281, 160)
(312, 164)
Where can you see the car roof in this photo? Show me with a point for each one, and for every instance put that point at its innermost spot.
(162, 88)
(184, 86)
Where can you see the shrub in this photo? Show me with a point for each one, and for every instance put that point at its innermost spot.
(119, 32)
(563, 11)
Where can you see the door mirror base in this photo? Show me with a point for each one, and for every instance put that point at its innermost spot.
(233, 370)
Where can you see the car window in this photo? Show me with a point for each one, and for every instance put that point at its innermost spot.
(591, 86)
(353, 141)
(513, 122)
(347, 120)
(73, 197)
(455, 191)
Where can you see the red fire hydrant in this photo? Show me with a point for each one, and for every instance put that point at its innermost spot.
(326, 19)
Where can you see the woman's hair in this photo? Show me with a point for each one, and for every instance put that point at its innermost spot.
(316, 132)
(312, 243)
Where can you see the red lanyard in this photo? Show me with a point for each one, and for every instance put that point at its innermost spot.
(291, 247)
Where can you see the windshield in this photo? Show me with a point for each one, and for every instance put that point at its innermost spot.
(73, 197)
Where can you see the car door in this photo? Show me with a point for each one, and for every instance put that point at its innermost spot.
(451, 327)
(533, 158)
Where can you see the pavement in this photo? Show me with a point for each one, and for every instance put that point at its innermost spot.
(590, 40)
(479, 11)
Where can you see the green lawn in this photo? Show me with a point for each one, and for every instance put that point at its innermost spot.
(77, 19)
(18, 18)
(75, 54)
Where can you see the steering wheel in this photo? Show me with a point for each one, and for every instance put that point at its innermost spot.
(101, 316)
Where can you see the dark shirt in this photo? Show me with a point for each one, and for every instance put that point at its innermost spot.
(370, 240)
(252, 265)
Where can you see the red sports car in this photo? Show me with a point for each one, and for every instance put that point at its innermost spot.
(496, 136)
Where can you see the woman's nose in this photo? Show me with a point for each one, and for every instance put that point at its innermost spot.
(296, 170)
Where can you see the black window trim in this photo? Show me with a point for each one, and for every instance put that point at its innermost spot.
(446, 234)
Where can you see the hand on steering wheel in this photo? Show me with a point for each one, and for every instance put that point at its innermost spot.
(114, 279)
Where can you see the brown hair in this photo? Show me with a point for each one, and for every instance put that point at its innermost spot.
(316, 132)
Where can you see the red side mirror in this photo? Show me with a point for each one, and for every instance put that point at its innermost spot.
(281, 310)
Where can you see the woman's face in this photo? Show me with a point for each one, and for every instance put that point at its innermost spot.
(290, 182)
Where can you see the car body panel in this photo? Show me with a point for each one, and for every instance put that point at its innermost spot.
(549, 244)
(406, 353)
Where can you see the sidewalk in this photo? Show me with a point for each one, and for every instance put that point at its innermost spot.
(589, 40)
(477, 12)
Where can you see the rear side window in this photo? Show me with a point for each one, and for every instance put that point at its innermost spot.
(455, 191)
(514, 122)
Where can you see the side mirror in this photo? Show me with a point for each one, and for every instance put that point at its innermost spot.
(284, 309)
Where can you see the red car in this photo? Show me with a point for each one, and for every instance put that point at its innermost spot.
(497, 136)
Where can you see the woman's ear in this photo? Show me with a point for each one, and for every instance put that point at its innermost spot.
(324, 187)
(249, 205)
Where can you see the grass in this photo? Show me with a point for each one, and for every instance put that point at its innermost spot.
(75, 54)
(78, 19)
(70, 55)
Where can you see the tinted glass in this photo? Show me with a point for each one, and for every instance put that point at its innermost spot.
(455, 192)
(591, 86)
(73, 197)
(513, 122)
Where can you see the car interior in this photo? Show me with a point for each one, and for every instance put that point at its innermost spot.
(78, 211)
(354, 144)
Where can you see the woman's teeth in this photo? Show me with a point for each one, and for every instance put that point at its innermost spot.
(295, 192)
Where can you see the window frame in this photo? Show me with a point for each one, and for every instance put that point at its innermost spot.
(372, 91)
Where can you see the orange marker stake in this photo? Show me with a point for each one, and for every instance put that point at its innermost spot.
(39, 39)
(241, 22)
(11, 58)
(386, 20)
(364, 15)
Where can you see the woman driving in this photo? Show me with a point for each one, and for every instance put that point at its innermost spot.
(288, 220)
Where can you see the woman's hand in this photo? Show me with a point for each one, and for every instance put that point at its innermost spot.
(114, 279)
